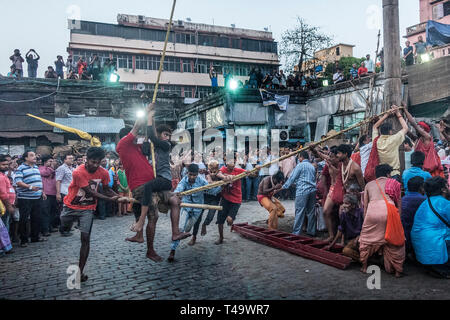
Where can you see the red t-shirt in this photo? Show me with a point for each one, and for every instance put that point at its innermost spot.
(6, 190)
(233, 193)
(76, 198)
(137, 168)
(362, 70)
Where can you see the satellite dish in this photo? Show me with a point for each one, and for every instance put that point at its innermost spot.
(140, 87)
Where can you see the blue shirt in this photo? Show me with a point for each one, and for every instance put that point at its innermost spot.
(111, 177)
(414, 172)
(410, 203)
(429, 233)
(197, 198)
(31, 176)
(354, 72)
(214, 82)
(304, 175)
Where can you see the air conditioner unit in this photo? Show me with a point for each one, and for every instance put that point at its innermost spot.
(181, 23)
(141, 19)
(284, 135)
(91, 112)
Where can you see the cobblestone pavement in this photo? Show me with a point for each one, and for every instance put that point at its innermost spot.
(238, 269)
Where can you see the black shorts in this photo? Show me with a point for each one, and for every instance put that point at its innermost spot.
(230, 209)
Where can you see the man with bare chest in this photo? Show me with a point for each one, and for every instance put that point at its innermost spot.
(350, 170)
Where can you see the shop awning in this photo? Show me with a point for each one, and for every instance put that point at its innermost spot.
(92, 125)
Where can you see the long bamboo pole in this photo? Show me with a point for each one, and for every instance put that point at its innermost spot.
(161, 65)
(247, 173)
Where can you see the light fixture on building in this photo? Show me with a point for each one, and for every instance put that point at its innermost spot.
(325, 83)
(233, 85)
(425, 57)
(140, 114)
(114, 77)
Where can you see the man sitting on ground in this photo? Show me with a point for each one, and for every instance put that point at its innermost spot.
(350, 224)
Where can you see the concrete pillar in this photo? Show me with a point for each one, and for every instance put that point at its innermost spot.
(392, 62)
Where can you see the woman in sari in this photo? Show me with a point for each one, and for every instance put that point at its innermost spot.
(372, 239)
(430, 234)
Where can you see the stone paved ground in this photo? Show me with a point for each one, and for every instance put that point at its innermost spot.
(239, 269)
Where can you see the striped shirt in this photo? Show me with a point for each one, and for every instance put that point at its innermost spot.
(31, 176)
(304, 175)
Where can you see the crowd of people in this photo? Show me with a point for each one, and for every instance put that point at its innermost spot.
(355, 193)
(82, 69)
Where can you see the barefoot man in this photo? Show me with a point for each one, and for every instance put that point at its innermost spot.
(80, 202)
(163, 181)
(266, 191)
(189, 216)
(139, 172)
(336, 193)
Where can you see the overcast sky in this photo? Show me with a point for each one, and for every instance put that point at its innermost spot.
(42, 25)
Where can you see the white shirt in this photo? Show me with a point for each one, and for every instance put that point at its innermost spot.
(364, 152)
(369, 65)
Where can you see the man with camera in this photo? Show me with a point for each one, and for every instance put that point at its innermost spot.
(17, 61)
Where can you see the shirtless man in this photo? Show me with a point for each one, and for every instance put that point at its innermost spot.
(268, 187)
(336, 192)
(351, 171)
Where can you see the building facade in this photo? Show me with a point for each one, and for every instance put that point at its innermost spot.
(435, 10)
(325, 56)
(136, 44)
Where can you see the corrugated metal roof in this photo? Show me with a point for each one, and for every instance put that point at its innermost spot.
(92, 124)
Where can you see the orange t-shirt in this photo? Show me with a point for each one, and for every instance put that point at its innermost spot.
(76, 198)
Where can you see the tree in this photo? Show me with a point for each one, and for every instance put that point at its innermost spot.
(300, 43)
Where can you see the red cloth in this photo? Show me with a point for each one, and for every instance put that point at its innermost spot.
(77, 199)
(393, 189)
(137, 168)
(356, 157)
(339, 190)
(322, 188)
(425, 126)
(373, 162)
(6, 189)
(260, 197)
(432, 162)
(233, 193)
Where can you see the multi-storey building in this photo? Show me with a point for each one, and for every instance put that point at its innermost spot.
(435, 10)
(328, 55)
(136, 44)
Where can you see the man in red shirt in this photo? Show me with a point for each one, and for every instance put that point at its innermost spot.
(231, 198)
(81, 201)
(363, 71)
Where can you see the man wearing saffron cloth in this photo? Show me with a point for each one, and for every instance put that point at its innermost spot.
(425, 144)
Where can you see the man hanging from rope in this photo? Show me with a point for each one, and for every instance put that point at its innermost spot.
(163, 181)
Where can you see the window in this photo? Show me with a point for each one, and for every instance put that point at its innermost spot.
(143, 62)
(438, 11)
(124, 61)
(223, 42)
(338, 51)
(236, 43)
(205, 41)
(202, 66)
(172, 64)
(447, 8)
(187, 67)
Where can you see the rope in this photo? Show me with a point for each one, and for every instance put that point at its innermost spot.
(161, 65)
(247, 173)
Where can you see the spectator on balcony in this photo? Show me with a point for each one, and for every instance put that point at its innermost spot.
(12, 73)
(370, 65)
(95, 66)
(59, 64)
(259, 77)
(17, 60)
(421, 49)
(50, 73)
(282, 78)
(32, 62)
(81, 67)
(275, 80)
(253, 81)
(338, 76)
(408, 54)
(213, 77)
(71, 65)
(354, 72)
(363, 71)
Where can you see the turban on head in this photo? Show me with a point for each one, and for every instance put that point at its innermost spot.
(425, 126)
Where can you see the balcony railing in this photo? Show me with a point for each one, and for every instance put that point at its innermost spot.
(418, 28)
